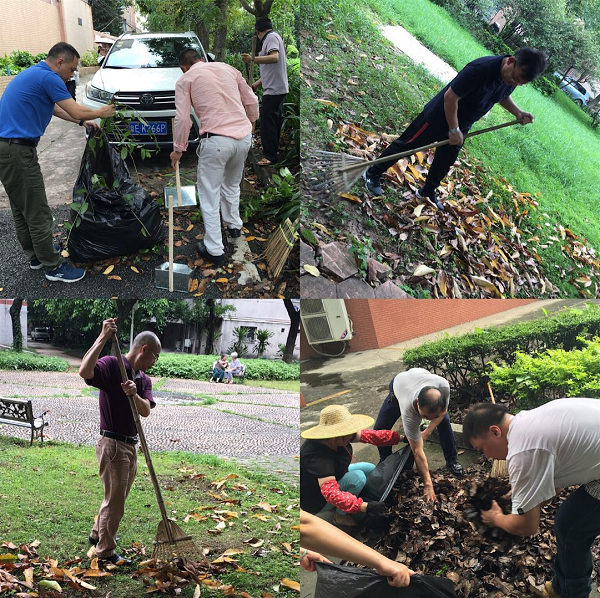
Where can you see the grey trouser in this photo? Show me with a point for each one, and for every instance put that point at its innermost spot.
(118, 466)
(21, 176)
(220, 168)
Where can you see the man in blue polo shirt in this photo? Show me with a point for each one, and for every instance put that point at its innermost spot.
(116, 446)
(453, 111)
(26, 107)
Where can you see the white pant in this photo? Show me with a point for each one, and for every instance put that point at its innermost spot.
(220, 169)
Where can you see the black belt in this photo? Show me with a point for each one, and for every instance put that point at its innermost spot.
(29, 142)
(127, 439)
(207, 135)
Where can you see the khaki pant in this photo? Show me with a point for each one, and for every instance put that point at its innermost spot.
(118, 466)
(220, 169)
(21, 176)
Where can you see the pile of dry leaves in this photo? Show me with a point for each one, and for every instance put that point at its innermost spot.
(471, 249)
(447, 538)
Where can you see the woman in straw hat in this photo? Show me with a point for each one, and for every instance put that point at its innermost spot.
(328, 478)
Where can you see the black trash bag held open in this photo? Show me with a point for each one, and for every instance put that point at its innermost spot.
(120, 219)
(336, 581)
(381, 480)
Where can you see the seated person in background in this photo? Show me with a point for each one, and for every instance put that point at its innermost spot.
(219, 368)
(235, 368)
(328, 478)
(316, 534)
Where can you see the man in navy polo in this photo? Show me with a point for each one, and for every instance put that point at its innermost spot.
(453, 111)
(116, 447)
(26, 107)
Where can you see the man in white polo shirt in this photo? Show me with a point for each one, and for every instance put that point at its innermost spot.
(553, 446)
(414, 395)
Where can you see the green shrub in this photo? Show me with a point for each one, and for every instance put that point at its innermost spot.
(199, 367)
(465, 360)
(11, 360)
(89, 58)
(536, 379)
(22, 58)
(548, 85)
(39, 57)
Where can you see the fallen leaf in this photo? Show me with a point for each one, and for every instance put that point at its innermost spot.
(326, 102)
(192, 285)
(108, 270)
(113, 277)
(222, 280)
(423, 270)
(291, 584)
(351, 197)
(64, 253)
(135, 269)
(311, 269)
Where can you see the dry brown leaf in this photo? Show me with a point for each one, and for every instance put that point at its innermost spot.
(113, 277)
(108, 270)
(423, 270)
(291, 584)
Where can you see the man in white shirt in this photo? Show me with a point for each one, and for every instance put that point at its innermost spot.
(414, 395)
(553, 446)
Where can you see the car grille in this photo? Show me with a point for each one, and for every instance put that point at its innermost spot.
(147, 100)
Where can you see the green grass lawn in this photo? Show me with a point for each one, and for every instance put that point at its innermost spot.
(288, 385)
(52, 492)
(346, 60)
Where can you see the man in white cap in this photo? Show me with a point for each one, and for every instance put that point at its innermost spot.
(328, 478)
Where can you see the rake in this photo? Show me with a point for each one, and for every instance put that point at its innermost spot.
(280, 245)
(337, 173)
(171, 541)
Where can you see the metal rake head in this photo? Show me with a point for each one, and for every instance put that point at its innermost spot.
(333, 174)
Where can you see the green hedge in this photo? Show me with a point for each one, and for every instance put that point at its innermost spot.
(199, 367)
(465, 360)
(11, 360)
(536, 379)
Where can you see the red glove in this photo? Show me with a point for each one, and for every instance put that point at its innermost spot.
(344, 501)
(380, 437)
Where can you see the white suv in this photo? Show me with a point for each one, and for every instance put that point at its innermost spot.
(140, 71)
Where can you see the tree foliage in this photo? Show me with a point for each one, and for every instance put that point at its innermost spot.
(15, 316)
(106, 16)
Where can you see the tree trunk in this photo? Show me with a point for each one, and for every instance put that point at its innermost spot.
(259, 8)
(221, 32)
(15, 316)
(288, 354)
(210, 327)
(202, 33)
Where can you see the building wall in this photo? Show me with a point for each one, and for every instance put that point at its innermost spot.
(32, 25)
(383, 322)
(267, 314)
(6, 337)
(79, 36)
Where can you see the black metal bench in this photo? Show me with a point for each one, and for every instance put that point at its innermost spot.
(19, 412)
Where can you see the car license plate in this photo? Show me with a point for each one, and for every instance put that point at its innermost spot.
(156, 128)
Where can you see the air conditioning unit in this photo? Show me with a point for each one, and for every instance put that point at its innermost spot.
(325, 320)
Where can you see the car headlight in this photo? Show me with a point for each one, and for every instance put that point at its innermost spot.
(93, 93)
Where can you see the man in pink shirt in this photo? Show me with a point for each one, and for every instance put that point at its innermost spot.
(227, 109)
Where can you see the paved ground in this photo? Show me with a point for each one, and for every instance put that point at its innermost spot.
(60, 151)
(258, 425)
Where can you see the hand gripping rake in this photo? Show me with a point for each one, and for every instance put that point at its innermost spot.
(336, 173)
(171, 541)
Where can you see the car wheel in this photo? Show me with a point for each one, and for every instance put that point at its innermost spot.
(579, 102)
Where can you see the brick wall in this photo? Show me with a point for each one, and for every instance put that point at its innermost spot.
(383, 322)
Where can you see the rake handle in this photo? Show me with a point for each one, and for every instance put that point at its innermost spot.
(426, 147)
(143, 443)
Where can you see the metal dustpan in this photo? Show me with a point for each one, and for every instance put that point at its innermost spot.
(187, 199)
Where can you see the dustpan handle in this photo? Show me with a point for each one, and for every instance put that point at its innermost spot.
(143, 443)
(395, 157)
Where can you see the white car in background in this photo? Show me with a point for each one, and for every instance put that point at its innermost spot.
(140, 71)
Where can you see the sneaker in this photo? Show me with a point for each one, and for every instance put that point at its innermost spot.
(217, 260)
(431, 197)
(234, 233)
(65, 273)
(115, 559)
(456, 468)
(373, 184)
(35, 264)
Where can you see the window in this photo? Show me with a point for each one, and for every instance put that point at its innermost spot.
(250, 334)
(80, 21)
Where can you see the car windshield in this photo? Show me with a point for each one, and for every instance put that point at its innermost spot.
(149, 52)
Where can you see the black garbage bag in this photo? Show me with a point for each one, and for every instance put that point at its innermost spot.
(111, 215)
(336, 581)
(381, 480)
